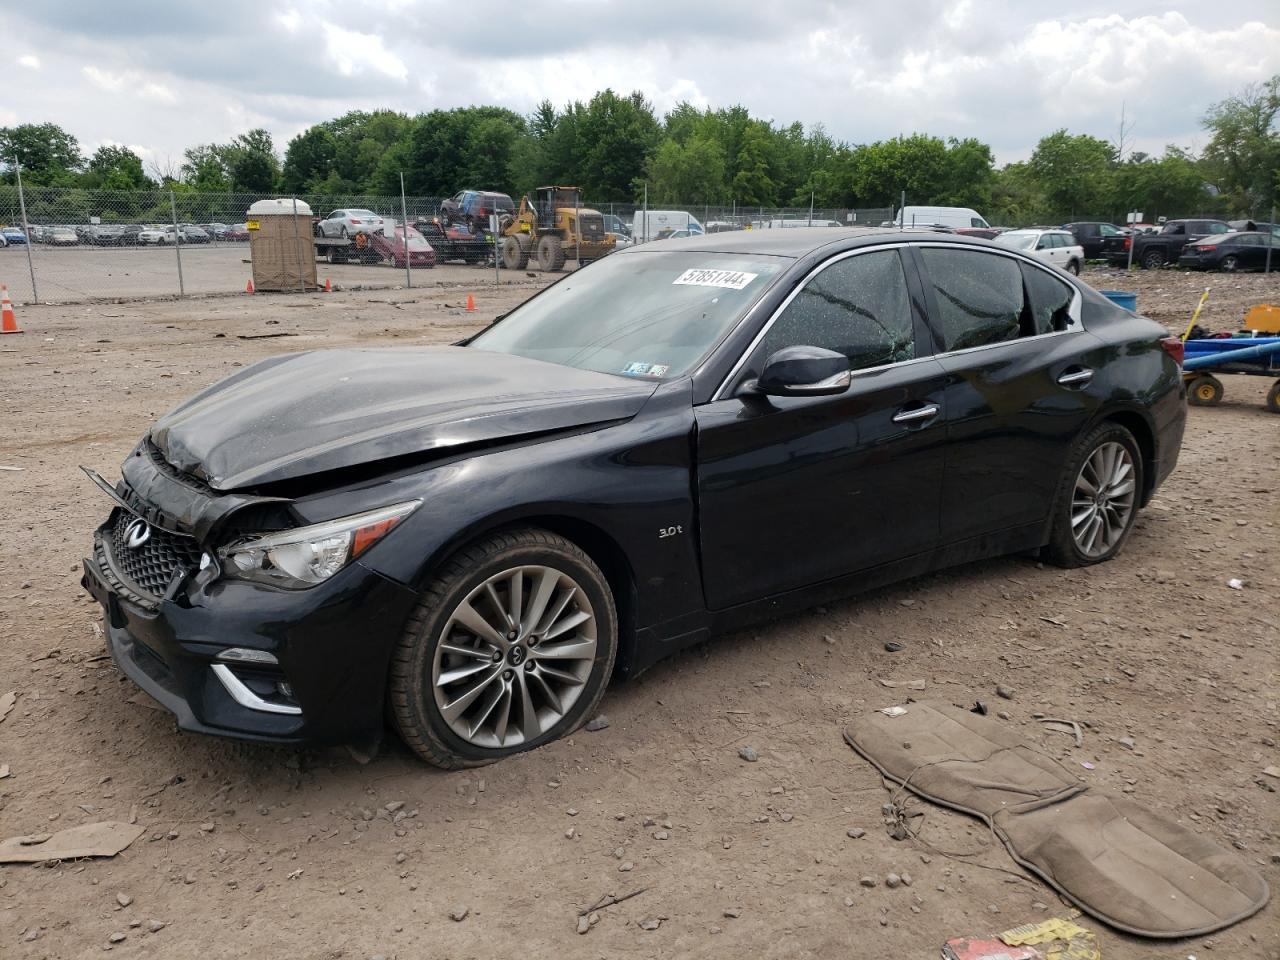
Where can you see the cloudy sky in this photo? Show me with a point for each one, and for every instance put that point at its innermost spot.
(161, 76)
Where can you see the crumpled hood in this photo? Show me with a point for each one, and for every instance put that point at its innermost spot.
(304, 413)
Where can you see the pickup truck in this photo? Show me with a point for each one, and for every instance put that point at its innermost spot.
(1152, 250)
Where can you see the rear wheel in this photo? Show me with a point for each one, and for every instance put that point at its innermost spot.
(550, 252)
(1098, 499)
(1205, 391)
(511, 647)
(1230, 263)
(1073, 268)
(1153, 259)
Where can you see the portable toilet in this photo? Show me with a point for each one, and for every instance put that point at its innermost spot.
(282, 247)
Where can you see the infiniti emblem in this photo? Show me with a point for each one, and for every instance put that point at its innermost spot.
(136, 533)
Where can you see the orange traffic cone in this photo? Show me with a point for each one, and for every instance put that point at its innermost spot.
(248, 287)
(328, 287)
(471, 303)
(8, 320)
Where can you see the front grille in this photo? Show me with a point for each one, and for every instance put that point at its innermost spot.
(148, 568)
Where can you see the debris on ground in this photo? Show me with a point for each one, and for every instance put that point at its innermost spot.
(903, 684)
(103, 839)
(597, 723)
(6, 704)
(1064, 726)
(748, 754)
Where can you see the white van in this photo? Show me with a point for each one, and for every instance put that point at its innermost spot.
(942, 216)
(661, 223)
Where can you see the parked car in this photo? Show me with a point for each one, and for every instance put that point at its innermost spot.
(186, 233)
(953, 217)
(678, 440)
(13, 235)
(1232, 252)
(129, 234)
(1057, 248)
(1249, 225)
(103, 234)
(1091, 233)
(454, 242)
(392, 247)
(472, 208)
(61, 237)
(653, 224)
(153, 235)
(238, 232)
(616, 225)
(1156, 249)
(347, 223)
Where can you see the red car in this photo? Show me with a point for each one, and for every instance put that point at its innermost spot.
(393, 248)
(237, 231)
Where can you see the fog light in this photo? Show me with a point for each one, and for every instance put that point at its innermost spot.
(245, 655)
(286, 691)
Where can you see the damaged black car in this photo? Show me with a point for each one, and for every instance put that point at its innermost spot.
(470, 542)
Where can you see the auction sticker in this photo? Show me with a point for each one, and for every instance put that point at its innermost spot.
(729, 279)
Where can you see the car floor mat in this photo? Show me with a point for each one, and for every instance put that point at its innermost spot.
(1113, 858)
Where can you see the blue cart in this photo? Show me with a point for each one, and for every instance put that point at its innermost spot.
(1253, 356)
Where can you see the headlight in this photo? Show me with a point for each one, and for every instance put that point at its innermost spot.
(305, 556)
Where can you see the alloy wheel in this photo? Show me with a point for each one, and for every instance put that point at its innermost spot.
(1103, 501)
(514, 656)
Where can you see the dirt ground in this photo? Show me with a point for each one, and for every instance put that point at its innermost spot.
(256, 851)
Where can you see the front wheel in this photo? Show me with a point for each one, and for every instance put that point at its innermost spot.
(1073, 268)
(1098, 499)
(511, 647)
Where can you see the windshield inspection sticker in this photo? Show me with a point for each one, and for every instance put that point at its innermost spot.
(646, 369)
(729, 279)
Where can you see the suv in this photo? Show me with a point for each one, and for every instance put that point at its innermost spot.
(1091, 236)
(1152, 250)
(472, 208)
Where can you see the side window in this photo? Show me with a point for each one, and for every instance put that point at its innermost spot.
(1107, 230)
(979, 297)
(1045, 242)
(1175, 228)
(1049, 299)
(858, 306)
(1217, 228)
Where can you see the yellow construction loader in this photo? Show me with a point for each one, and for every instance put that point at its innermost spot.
(551, 229)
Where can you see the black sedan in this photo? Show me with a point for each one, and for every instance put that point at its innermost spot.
(675, 441)
(1232, 252)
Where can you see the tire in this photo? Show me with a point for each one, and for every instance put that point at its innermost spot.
(1230, 263)
(1153, 259)
(515, 255)
(550, 252)
(1073, 268)
(1076, 513)
(1204, 391)
(1273, 397)
(342, 232)
(481, 732)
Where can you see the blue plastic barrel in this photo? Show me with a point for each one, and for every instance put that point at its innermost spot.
(1122, 299)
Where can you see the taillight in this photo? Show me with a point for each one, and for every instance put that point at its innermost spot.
(354, 220)
(1128, 242)
(1209, 249)
(1175, 348)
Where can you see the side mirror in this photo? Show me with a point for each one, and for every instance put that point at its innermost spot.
(802, 372)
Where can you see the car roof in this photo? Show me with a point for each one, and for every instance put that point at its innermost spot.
(795, 241)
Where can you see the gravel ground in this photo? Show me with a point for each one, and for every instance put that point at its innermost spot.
(258, 851)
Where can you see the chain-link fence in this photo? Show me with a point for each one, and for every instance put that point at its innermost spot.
(67, 245)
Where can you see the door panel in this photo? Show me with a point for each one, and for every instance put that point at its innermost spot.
(796, 490)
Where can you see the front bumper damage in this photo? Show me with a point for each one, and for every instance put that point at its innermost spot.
(240, 659)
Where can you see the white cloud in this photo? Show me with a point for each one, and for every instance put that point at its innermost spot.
(157, 92)
(352, 53)
(104, 79)
(29, 60)
(291, 20)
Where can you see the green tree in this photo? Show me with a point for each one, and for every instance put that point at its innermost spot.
(1072, 173)
(49, 155)
(450, 150)
(1244, 152)
(1172, 185)
(752, 184)
(616, 135)
(206, 168)
(692, 172)
(116, 168)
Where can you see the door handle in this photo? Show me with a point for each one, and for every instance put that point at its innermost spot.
(1080, 377)
(919, 413)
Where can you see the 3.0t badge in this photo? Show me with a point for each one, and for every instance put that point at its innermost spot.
(136, 533)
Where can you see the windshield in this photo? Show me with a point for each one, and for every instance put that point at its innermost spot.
(1019, 241)
(416, 240)
(645, 315)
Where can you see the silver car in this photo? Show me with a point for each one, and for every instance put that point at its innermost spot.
(347, 223)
